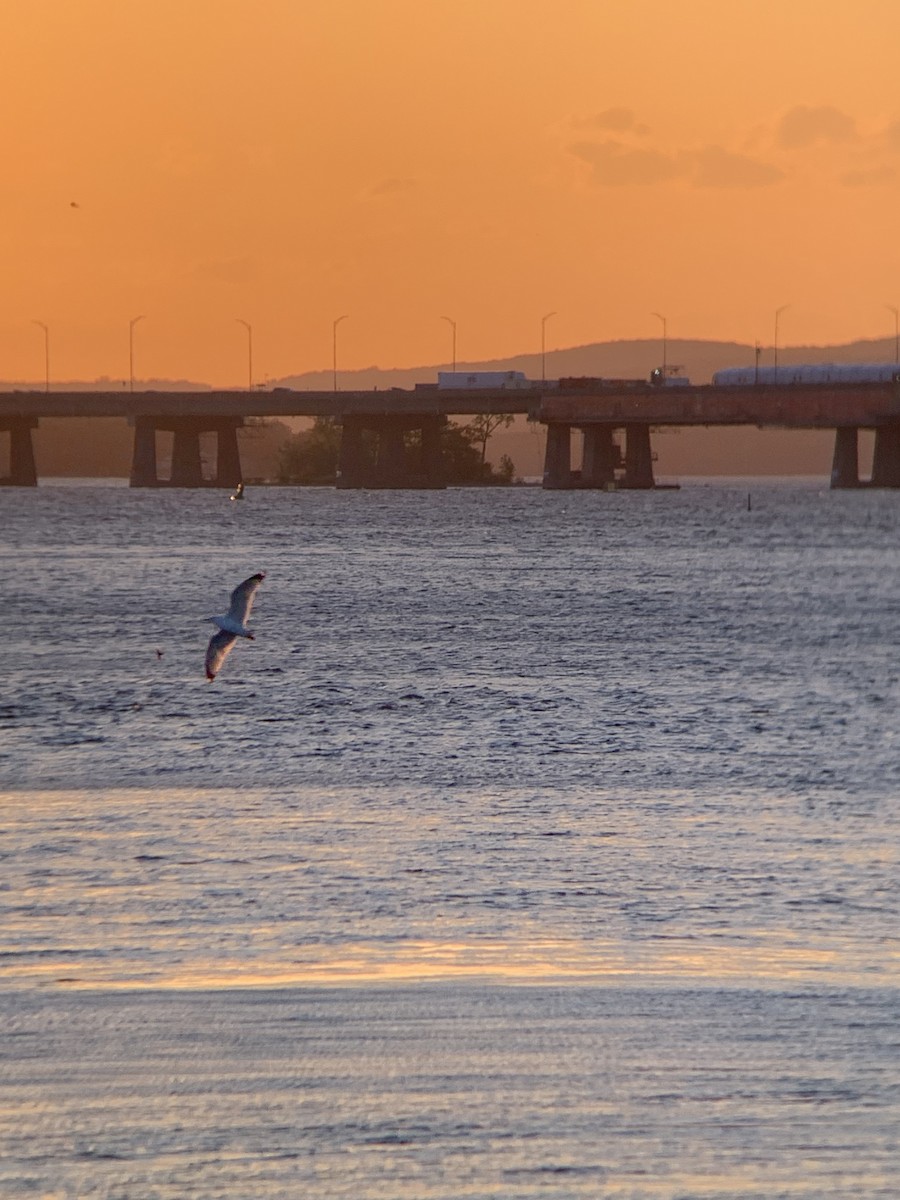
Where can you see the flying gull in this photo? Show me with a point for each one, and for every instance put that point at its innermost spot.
(232, 624)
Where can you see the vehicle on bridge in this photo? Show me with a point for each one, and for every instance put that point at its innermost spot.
(483, 379)
(589, 383)
(668, 377)
(808, 373)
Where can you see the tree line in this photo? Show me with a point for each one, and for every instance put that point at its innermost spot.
(311, 457)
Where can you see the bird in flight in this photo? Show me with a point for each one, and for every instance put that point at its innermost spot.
(232, 624)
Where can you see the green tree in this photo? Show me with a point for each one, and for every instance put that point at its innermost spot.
(462, 462)
(506, 472)
(311, 456)
(484, 426)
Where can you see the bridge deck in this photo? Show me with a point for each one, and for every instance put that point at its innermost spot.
(789, 406)
(276, 403)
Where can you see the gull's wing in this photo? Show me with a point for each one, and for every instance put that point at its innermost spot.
(242, 598)
(217, 651)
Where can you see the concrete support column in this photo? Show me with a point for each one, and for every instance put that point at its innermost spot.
(228, 457)
(22, 469)
(845, 464)
(391, 467)
(351, 472)
(886, 458)
(186, 468)
(638, 457)
(558, 457)
(432, 452)
(598, 465)
(143, 456)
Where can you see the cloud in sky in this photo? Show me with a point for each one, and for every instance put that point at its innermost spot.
(616, 164)
(615, 120)
(853, 158)
(805, 125)
(715, 167)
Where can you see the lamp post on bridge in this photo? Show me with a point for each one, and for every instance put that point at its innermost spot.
(452, 325)
(544, 319)
(665, 368)
(891, 308)
(46, 354)
(131, 325)
(249, 328)
(778, 312)
(334, 326)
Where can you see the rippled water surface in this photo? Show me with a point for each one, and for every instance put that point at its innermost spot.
(540, 845)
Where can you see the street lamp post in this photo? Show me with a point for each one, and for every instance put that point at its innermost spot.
(660, 317)
(131, 325)
(778, 312)
(249, 328)
(544, 319)
(891, 308)
(452, 325)
(46, 354)
(334, 326)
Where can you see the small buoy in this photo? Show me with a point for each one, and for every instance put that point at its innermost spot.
(749, 505)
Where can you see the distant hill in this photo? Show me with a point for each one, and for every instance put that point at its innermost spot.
(91, 448)
(633, 359)
(104, 384)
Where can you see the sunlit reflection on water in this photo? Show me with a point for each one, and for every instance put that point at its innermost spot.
(604, 965)
(194, 889)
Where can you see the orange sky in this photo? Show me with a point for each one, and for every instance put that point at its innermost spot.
(288, 161)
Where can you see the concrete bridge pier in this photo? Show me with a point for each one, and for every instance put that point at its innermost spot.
(886, 457)
(187, 469)
(432, 455)
(598, 465)
(390, 461)
(228, 456)
(351, 471)
(558, 457)
(187, 466)
(385, 460)
(143, 454)
(845, 464)
(638, 457)
(22, 469)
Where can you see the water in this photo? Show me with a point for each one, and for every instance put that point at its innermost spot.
(541, 845)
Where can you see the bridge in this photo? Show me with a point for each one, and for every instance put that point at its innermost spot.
(614, 418)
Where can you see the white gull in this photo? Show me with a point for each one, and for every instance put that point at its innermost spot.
(232, 624)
